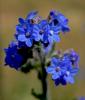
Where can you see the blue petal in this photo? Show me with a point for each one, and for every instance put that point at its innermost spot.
(35, 28)
(56, 38)
(22, 38)
(57, 81)
(52, 13)
(54, 61)
(20, 29)
(59, 73)
(62, 80)
(31, 15)
(21, 21)
(56, 29)
(43, 23)
(45, 38)
(62, 18)
(74, 71)
(55, 76)
(50, 39)
(29, 42)
(21, 44)
(13, 44)
(65, 28)
(69, 79)
(37, 38)
(50, 70)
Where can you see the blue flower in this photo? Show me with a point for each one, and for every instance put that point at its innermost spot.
(33, 29)
(57, 68)
(24, 32)
(31, 35)
(73, 57)
(28, 30)
(48, 33)
(52, 27)
(62, 70)
(48, 37)
(13, 58)
(59, 21)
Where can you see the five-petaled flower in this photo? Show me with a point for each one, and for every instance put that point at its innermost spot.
(63, 69)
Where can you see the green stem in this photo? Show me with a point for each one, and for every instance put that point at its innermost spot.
(44, 82)
(42, 75)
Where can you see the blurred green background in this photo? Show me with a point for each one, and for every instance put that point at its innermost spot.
(16, 85)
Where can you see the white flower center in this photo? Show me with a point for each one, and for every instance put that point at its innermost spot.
(51, 32)
(67, 73)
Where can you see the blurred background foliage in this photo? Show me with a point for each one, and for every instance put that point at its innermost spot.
(15, 85)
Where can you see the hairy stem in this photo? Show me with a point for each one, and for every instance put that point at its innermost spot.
(44, 82)
(43, 76)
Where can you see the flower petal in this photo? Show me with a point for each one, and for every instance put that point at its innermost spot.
(45, 38)
(54, 61)
(29, 42)
(65, 28)
(21, 21)
(36, 36)
(31, 15)
(55, 76)
(20, 29)
(62, 80)
(50, 70)
(56, 38)
(22, 38)
(74, 71)
(69, 79)
(50, 39)
(57, 81)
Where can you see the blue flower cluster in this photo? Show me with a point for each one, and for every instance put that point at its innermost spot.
(15, 56)
(46, 31)
(36, 34)
(31, 31)
(64, 67)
